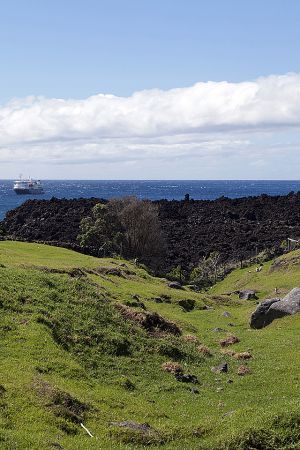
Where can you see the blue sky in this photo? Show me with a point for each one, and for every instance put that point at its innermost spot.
(77, 49)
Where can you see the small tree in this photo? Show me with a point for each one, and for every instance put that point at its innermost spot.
(175, 274)
(2, 232)
(206, 273)
(142, 229)
(126, 226)
(102, 231)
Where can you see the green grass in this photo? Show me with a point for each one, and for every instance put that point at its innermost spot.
(283, 273)
(65, 348)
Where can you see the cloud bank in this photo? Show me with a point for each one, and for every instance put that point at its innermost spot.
(205, 119)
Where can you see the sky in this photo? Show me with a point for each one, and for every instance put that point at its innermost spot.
(150, 89)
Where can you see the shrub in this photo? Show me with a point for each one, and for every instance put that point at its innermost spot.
(187, 304)
(207, 271)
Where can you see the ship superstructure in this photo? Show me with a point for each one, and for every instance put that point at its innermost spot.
(29, 186)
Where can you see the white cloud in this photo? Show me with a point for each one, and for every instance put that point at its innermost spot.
(205, 119)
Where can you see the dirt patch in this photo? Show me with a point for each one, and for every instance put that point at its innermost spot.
(61, 403)
(150, 321)
(131, 432)
(76, 272)
(132, 425)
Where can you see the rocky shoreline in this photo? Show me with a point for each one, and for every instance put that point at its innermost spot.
(237, 228)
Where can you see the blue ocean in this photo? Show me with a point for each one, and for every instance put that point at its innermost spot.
(154, 190)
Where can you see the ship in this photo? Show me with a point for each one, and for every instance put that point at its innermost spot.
(28, 187)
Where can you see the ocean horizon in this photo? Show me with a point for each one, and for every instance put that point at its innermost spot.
(147, 189)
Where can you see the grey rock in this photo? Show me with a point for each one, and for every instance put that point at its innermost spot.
(226, 314)
(221, 368)
(247, 294)
(186, 378)
(194, 390)
(175, 285)
(275, 308)
(56, 445)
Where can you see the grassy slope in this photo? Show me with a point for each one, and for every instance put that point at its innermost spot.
(283, 273)
(64, 331)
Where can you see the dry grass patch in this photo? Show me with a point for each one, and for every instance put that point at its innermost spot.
(243, 370)
(191, 338)
(204, 350)
(230, 340)
(172, 367)
(237, 355)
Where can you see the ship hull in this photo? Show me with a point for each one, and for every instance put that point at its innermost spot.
(28, 191)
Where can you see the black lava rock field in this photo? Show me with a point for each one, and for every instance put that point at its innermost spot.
(237, 228)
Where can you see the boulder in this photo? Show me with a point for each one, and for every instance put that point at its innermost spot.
(221, 368)
(275, 308)
(247, 294)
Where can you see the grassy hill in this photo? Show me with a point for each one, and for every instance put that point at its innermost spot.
(71, 355)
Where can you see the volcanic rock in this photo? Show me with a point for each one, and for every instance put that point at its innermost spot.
(247, 295)
(275, 308)
(236, 228)
(186, 378)
(221, 368)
